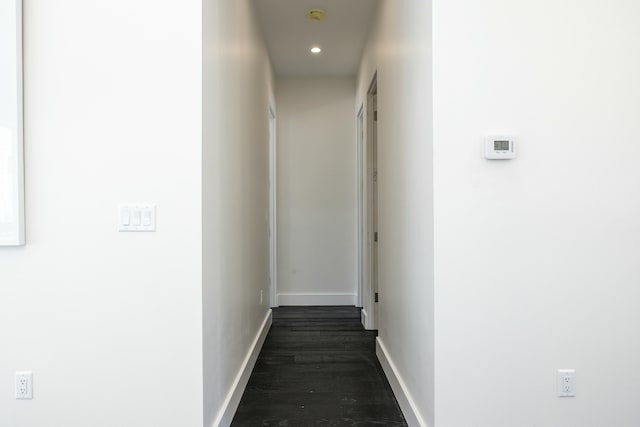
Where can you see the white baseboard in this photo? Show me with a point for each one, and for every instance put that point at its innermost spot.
(406, 402)
(316, 299)
(225, 416)
(367, 320)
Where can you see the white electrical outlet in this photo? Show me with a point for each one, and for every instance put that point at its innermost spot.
(566, 382)
(24, 385)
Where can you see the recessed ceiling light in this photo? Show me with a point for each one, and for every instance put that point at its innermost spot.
(316, 15)
(316, 49)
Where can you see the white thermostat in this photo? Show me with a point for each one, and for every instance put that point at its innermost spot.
(500, 148)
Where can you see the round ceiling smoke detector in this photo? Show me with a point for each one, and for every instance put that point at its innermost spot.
(316, 15)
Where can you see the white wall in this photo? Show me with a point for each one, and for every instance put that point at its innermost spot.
(399, 48)
(109, 323)
(537, 258)
(316, 191)
(237, 92)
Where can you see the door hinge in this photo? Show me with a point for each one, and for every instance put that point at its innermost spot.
(375, 116)
(376, 297)
(375, 236)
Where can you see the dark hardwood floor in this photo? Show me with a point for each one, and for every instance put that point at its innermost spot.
(318, 368)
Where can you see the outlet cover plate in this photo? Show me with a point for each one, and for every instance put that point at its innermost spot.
(24, 385)
(566, 382)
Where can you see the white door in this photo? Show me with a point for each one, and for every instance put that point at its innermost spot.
(374, 205)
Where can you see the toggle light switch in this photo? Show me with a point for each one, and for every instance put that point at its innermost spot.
(136, 217)
(146, 218)
(125, 217)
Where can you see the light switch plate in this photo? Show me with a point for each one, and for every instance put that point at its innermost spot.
(136, 217)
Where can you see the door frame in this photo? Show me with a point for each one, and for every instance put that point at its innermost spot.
(367, 209)
(273, 223)
(360, 201)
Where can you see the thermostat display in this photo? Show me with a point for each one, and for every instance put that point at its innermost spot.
(501, 145)
(500, 148)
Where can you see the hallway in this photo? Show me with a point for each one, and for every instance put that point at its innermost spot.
(318, 368)
(248, 135)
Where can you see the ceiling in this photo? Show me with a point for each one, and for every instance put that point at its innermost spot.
(341, 35)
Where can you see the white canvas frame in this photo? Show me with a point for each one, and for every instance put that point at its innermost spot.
(12, 227)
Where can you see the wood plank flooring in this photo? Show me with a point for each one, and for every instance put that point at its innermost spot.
(318, 368)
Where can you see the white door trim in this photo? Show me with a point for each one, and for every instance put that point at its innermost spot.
(360, 224)
(273, 223)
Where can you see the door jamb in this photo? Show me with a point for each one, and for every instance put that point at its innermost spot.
(360, 200)
(369, 271)
(273, 223)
